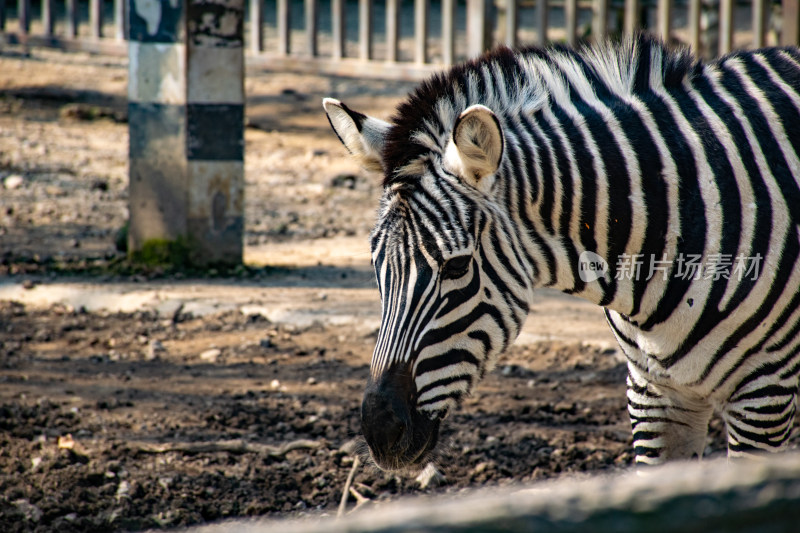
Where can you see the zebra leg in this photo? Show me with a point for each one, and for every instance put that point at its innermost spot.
(666, 424)
(760, 414)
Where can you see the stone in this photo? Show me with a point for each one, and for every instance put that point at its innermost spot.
(211, 355)
(14, 181)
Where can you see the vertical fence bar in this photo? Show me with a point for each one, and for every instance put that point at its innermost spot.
(599, 20)
(512, 22)
(120, 20)
(448, 31)
(96, 18)
(541, 22)
(725, 26)
(694, 25)
(24, 15)
(365, 29)
(477, 40)
(392, 27)
(48, 17)
(72, 18)
(631, 23)
(312, 7)
(256, 25)
(790, 31)
(664, 19)
(421, 11)
(759, 23)
(337, 28)
(571, 21)
(284, 27)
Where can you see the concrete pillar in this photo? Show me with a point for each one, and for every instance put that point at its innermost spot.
(186, 123)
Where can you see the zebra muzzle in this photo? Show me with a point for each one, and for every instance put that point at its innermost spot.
(398, 435)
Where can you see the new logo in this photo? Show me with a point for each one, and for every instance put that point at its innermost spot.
(591, 267)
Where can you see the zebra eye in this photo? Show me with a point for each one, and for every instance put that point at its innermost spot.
(456, 267)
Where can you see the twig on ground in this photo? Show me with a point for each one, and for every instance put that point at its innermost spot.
(231, 446)
(360, 500)
(347, 489)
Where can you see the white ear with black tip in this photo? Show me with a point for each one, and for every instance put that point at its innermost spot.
(476, 148)
(362, 135)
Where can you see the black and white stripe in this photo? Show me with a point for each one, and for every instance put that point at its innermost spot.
(618, 150)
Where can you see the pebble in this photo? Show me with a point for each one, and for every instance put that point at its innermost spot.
(480, 467)
(28, 510)
(311, 381)
(265, 343)
(122, 490)
(274, 384)
(211, 355)
(153, 350)
(13, 181)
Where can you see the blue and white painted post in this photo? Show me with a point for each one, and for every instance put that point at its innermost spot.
(186, 123)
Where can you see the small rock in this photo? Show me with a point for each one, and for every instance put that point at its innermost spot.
(28, 510)
(28, 284)
(430, 476)
(480, 467)
(154, 349)
(265, 343)
(123, 489)
(66, 442)
(275, 384)
(13, 181)
(211, 355)
(311, 381)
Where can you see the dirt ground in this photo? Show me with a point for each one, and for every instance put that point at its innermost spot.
(153, 418)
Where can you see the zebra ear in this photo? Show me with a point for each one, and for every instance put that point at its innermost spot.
(362, 135)
(476, 148)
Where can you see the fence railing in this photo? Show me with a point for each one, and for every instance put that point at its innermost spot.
(409, 38)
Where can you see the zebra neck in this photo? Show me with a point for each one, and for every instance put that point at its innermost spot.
(594, 234)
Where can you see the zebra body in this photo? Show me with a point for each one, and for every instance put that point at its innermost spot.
(676, 182)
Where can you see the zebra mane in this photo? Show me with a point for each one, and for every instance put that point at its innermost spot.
(512, 83)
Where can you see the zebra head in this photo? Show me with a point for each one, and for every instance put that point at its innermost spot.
(451, 278)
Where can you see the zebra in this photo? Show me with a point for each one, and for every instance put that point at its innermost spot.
(565, 168)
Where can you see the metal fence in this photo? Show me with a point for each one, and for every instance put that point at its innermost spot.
(410, 38)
